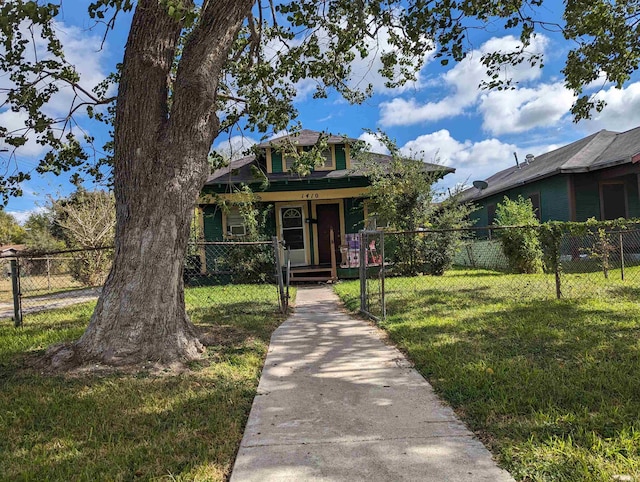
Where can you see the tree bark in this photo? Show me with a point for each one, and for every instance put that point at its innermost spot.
(160, 166)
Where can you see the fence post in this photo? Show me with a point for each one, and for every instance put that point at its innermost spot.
(48, 274)
(557, 266)
(15, 286)
(332, 242)
(276, 256)
(382, 291)
(558, 286)
(288, 279)
(621, 258)
(363, 273)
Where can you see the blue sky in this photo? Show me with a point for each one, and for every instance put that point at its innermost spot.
(442, 116)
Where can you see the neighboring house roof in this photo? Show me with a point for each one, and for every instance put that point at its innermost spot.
(597, 151)
(242, 170)
(9, 250)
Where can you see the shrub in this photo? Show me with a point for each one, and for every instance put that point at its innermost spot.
(521, 246)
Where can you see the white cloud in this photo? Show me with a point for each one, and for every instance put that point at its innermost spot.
(472, 160)
(621, 113)
(83, 51)
(365, 71)
(440, 146)
(234, 147)
(374, 142)
(522, 109)
(462, 81)
(22, 216)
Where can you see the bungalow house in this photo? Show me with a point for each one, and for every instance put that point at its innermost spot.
(595, 177)
(304, 210)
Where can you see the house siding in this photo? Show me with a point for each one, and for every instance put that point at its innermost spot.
(554, 199)
(212, 218)
(587, 197)
(633, 200)
(276, 161)
(341, 157)
(353, 215)
(313, 184)
(587, 189)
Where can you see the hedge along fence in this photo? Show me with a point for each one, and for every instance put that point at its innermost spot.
(559, 248)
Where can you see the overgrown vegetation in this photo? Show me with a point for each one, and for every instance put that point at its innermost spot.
(146, 425)
(550, 386)
(403, 195)
(10, 231)
(521, 246)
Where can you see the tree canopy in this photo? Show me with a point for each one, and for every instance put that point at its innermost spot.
(192, 70)
(10, 230)
(281, 44)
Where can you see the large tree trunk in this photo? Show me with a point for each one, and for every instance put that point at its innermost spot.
(160, 165)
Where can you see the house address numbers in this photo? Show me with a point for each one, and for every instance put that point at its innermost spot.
(310, 195)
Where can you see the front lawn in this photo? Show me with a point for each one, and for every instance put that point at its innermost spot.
(552, 387)
(144, 424)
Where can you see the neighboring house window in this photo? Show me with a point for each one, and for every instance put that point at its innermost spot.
(491, 214)
(535, 202)
(235, 223)
(613, 200)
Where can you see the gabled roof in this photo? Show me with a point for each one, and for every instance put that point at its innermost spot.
(597, 151)
(306, 137)
(242, 170)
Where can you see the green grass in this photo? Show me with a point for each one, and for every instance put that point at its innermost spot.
(552, 387)
(125, 426)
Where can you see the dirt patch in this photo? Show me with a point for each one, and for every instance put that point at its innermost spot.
(225, 335)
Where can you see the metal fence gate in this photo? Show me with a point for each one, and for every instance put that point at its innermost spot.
(595, 261)
(51, 282)
(372, 274)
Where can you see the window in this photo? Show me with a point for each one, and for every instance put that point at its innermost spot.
(535, 202)
(288, 162)
(372, 220)
(613, 201)
(327, 154)
(293, 228)
(328, 158)
(235, 223)
(491, 214)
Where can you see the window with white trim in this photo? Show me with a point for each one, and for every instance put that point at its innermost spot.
(235, 223)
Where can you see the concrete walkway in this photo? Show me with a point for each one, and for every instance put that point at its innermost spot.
(335, 403)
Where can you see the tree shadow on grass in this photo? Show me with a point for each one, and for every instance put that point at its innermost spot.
(538, 374)
(122, 428)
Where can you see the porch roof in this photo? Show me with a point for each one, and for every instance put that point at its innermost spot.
(243, 171)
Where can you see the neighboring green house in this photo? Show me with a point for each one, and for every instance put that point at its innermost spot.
(304, 209)
(595, 177)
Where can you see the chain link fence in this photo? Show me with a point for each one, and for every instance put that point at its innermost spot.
(61, 284)
(521, 263)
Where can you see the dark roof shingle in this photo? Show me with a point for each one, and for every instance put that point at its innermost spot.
(597, 151)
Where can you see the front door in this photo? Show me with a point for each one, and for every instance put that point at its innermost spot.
(328, 216)
(292, 227)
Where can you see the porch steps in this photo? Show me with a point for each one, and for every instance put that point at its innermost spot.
(311, 273)
(297, 279)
